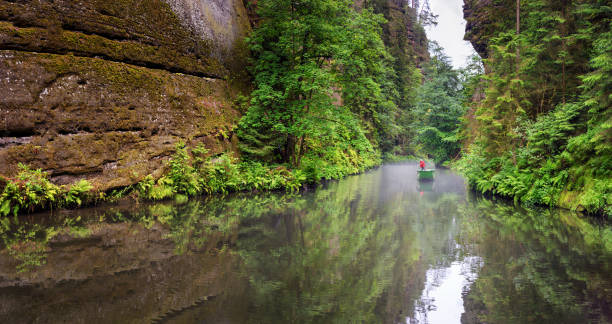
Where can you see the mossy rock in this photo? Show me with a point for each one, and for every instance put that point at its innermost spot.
(103, 90)
(191, 37)
(112, 123)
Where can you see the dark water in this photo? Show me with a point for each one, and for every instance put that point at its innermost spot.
(374, 248)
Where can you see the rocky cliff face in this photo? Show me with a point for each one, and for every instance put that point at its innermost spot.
(484, 18)
(476, 17)
(103, 90)
(405, 39)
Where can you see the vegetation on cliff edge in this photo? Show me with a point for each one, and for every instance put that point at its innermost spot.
(543, 132)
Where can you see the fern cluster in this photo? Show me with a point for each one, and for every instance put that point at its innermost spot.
(32, 190)
(191, 173)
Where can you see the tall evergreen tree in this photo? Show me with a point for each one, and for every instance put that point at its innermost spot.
(439, 108)
(320, 70)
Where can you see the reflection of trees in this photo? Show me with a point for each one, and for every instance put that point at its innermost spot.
(324, 257)
(343, 253)
(356, 250)
(352, 251)
(539, 266)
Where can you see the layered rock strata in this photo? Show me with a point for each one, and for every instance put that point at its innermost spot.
(104, 90)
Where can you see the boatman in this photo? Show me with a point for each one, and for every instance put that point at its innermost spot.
(422, 164)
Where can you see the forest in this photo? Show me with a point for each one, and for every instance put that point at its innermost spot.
(535, 127)
(189, 161)
(338, 87)
(539, 131)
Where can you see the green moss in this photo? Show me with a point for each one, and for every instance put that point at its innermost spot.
(175, 52)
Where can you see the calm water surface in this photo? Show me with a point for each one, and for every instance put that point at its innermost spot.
(374, 248)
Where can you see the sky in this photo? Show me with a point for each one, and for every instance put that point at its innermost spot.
(450, 30)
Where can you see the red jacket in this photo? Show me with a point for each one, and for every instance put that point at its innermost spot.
(422, 164)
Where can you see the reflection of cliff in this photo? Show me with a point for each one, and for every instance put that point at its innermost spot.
(121, 273)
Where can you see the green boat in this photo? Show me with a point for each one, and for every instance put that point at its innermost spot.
(427, 174)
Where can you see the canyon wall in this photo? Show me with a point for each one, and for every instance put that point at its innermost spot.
(103, 90)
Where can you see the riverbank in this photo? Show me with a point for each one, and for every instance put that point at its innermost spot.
(189, 172)
(552, 185)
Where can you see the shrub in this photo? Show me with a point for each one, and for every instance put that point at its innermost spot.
(77, 194)
(151, 190)
(29, 191)
(32, 190)
(184, 176)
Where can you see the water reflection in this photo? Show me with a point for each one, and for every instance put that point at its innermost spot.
(441, 300)
(375, 248)
(539, 266)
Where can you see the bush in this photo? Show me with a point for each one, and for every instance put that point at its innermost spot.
(77, 194)
(31, 190)
(183, 176)
(191, 173)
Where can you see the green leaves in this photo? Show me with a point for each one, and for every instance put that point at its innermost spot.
(77, 192)
(32, 190)
(182, 174)
(438, 108)
(547, 110)
(319, 67)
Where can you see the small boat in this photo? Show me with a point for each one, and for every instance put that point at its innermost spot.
(427, 174)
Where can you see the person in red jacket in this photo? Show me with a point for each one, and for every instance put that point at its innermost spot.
(422, 164)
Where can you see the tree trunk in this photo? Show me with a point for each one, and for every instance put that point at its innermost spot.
(300, 152)
(518, 32)
(289, 151)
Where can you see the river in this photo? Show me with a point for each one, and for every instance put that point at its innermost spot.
(379, 247)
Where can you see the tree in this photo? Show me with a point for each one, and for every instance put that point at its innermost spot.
(542, 132)
(439, 108)
(318, 66)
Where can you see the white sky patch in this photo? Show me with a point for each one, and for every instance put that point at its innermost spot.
(450, 30)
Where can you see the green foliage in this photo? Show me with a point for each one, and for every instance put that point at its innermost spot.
(597, 197)
(365, 77)
(543, 131)
(322, 90)
(259, 145)
(149, 189)
(191, 173)
(77, 193)
(31, 190)
(439, 107)
(182, 175)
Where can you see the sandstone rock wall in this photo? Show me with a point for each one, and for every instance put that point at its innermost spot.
(406, 40)
(484, 18)
(103, 90)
